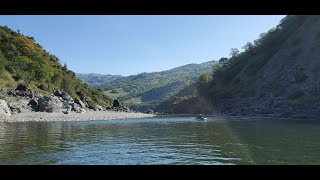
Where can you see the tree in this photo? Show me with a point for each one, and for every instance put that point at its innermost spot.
(223, 61)
(65, 67)
(249, 46)
(234, 52)
(203, 83)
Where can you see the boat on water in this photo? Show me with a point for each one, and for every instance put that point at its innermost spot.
(201, 117)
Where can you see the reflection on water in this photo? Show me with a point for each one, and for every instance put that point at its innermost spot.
(175, 140)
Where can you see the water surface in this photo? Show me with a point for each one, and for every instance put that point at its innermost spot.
(162, 140)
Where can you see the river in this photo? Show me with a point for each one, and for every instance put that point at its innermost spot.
(162, 140)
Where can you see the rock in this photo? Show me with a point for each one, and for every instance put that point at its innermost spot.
(22, 87)
(77, 108)
(20, 106)
(57, 93)
(149, 111)
(78, 101)
(50, 104)
(43, 87)
(82, 96)
(66, 96)
(66, 109)
(33, 103)
(4, 109)
(99, 108)
(116, 103)
(11, 92)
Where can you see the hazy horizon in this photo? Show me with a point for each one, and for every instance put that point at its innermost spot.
(129, 45)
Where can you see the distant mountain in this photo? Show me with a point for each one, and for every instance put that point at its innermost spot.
(94, 79)
(146, 90)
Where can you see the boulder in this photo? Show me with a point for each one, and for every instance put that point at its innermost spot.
(78, 101)
(50, 104)
(20, 106)
(4, 109)
(116, 103)
(33, 103)
(66, 96)
(99, 108)
(66, 109)
(77, 108)
(22, 87)
(58, 93)
(149, 111)
(11, 92)
(43, 87)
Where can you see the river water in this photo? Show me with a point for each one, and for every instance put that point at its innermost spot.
(162, 140)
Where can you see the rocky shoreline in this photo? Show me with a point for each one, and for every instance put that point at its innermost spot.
(23, 105)
(73, 116)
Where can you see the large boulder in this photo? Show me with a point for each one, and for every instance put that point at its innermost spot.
(116, 103)
(77, 108)
(20, 106)
(78, 101)
(22, 87)
(50, 104)
(58, 93)
(66, 96)
(33, 103)
(4, 109)
(67, 109)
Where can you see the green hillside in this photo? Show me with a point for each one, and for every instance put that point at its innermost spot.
(152, 88)
(23, 60)
(276, 75)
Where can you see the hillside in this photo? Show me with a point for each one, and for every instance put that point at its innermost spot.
(25, 62)
(277, 75)
(146, 90)
(93, 79)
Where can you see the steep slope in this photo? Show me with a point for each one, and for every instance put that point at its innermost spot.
(278, 75)
(149, 89)
(94, 79)
(24, 61)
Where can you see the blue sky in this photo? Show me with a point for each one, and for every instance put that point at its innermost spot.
(128, 45)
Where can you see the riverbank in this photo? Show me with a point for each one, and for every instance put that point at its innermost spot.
(87, 116)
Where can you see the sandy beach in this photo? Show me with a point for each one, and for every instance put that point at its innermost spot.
(87, 116)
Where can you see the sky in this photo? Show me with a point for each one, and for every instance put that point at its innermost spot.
(128, 45)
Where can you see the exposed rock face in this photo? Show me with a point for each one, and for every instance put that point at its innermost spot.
(50, 104)
(20, 106)
(116, 103)
(4, 109)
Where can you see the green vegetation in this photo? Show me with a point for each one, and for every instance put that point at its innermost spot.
(240, 76)
(241, 69)
(149, 89)
(22, 60)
